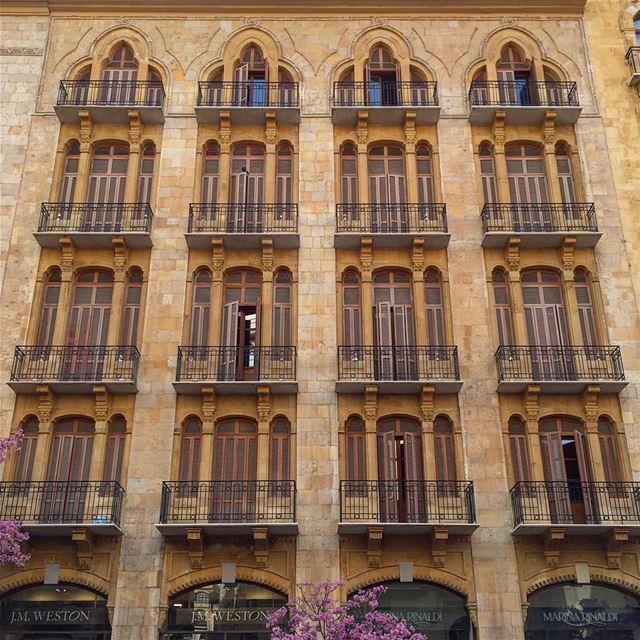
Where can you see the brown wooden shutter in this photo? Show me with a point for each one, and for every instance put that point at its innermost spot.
(190, 447)
(585, 309)
(200, 309)
(519, 457)
(145, 179)
(434, 308)
(114, 454)
(609, 453)
(444, 451)
(552, 457)
(279, 451)
(27, 452)
(49, 309)
(211, 165)
(70, 173)
(131, 309)
(355, 450)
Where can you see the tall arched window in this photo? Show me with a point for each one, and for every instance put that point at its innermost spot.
(609, 451)
(71, 448)
(282, 309)
(488, 173)
(90, 308)
(519, 450)
(424, 163)
(120, 74)
(107, 180)
(200, 308)
(356, 467)
(70, 171)
(348, 174)
(27, 453)
(210, 168)
(502, 307)
(145, 180)
(284, 174)
(434, 308)
(565, 174)
(114, 450)
(444, 449)
(49, 309)
(351, 309)
(279, 450)
(286, 89)
(514, 72)
(131, 308)
(346, 92)
(247, 187)
(251, 75)
(382, 75)
(190, 450)
(585, 308)
(527, 178)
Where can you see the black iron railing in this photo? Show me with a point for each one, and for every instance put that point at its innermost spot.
(576, 503)
(111, 93)
(559, 363)
(75, 364)
(414, 93)
(391, 218)
(522, 93)
(239, 364)
(91, 217)
(411, 501)
(540, 217)
(398, 363)
(250, 93)
(633, 59)
(61, 502)
(243, 218)
(229, 501)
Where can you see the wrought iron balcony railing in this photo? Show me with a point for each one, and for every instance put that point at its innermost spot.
(250, 93)
(133, 93)
(604, 503)
(389, 363)
(236, 364)
(243, 218)
(228, 502)
(391, 218)
(62, 502)
(539, 217)
(407, 501)
(523, 93)
(633, 60)
(414, 93)
(91, 217)
(75, 364)
(559, 363)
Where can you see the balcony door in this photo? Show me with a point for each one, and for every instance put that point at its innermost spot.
(565, 464)
(528, 186)
(234, 471)
(251, 77)
(514, 73)
(394, 330)
(387, 189)
(88, 325)
(68, 471)
(546, 322)
(382, 75)
(240, 337)
(400, 471)
(246, 189)
(107, 183)
(119, 77)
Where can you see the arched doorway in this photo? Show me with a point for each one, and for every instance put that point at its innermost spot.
(222, 612)
(54, 612)
(582, 612)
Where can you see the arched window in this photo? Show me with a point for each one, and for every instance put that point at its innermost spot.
(348, 174)
(70, 171)
(120, 72)
(585, 308)
(107, 181)
(488, 173)
(131, 308)
(544, 310)
(27, 453)
(502, 307)
(444, 449)
(351, 309)
(424, 162)
(49, 308)
(155, 89)
(114, 450)
(286, 89)
(513, 73)
(346, 89)
(247, 183)
(282, 310)
(355, 449)
(609, 451)
(284, 174)
(145, 180)
(90, 309)
(251, 75)
(190, 450)
(527, 179)
(565, 174)
(422, 94)
(200, 308)
(71, 448)
(382, 74)
(387, 182)
(210, 168)
(519, 450)
(234, 453)
(279, 450)
(434, 308)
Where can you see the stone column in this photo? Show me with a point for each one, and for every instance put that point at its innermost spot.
(266, 316)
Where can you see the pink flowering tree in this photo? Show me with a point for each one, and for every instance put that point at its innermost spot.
(11, 533)
(315, 615)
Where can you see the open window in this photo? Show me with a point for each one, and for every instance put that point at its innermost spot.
(382, 75)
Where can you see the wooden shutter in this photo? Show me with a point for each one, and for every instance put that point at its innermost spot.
(27, 452)
(565, 176)
(190, 450)
(114, 453)
(241, 89)
(413, 456)
(519, 457)
(355, 450)
(200, 309)
(488, 175)
(145, 179)
(585, 309)
(552, 457)
(585, 476)
(279, 451)
(502, 307)
(282, 310)
(284, 175)
(131, 309)
(609, 453)
(49, 309)
(230, 340)
(211, 165)
(387, 464)
(434, 309)
(424, 163)
(91, 309)
(348, 175)
(70, 174)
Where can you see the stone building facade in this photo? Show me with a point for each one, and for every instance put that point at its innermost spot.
(303, 293)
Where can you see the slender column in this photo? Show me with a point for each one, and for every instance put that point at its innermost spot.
(66, 288)
(537, 468)
(517, 306)
(266, 302)
(224, 165)
(571, 302)
(217, 287)
(270, 158)
(117, 299)
(264, 418)
(367, 308)
(410, 154)
(551, 167)
(419, 305)
(43, 445)
(98, 451)
(502, 176)
(84, 161)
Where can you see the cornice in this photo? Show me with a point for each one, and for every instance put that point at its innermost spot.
(265, 7)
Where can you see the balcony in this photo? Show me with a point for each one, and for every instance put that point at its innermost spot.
(95, 225)
(109, 101)
(386, 103)
(407, 507)
(56, 508)
(398, 369)
(580, 508)
(560, 369)
(237, 370)
(228, 507)
(523, 102)
(248, 102)
(75, 369)
(243, 225)
(392, 224)
(539, 225)
(633, 60)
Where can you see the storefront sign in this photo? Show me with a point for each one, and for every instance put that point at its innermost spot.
(43, 615)
(211, 618)
(576, 618)
(548, 618)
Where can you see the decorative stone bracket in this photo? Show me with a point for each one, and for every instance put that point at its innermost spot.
(196, 551)
(261, 546)
(83, 540)
(613, 547)
(374, 546)
(552, 541)
(439, 540)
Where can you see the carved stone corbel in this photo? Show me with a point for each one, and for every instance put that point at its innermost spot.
(371, 402)
(439, 541)
(567, 255)
(86, 130)
(67, 260)
(208, 403)
(264, 404)
(267, 254)
(427, 403)
(472, 609)
(615, 541)
(590, 400)
(512, 254)
(135, 130)
(374, 546)
(225, 127)
(83, 540)
(45, 402)
(120, 255)
(271, 128)
(103, 402)
(366, 253)
(532, 402)
(410, 128)
(196, 548)
(362, 130)
(417, 254)
(217, 257)
(261, 546)
(550, 127)
(552, 541)
(498, 128)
